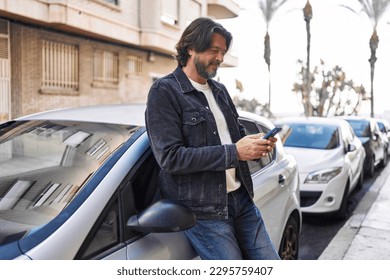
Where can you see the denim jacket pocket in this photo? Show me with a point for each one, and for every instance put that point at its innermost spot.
(194, 129)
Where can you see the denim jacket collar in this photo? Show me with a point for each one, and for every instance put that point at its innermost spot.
(186, 86)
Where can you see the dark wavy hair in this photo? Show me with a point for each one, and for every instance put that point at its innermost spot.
(198, 36)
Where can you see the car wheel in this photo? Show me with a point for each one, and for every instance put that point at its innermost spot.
(342, 213)
(289, 245)
(384, 160)
(360, 182)
(371, 168)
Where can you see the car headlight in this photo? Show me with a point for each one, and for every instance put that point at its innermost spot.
(322, 176)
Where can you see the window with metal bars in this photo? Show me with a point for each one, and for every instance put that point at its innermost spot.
(134, 66)
(60, 66)
(105, 68)
(115, 2)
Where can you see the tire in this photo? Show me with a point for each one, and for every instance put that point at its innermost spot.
(342, 213)
(360, 182)
(289, 245)
(384, 160)
(371, 168)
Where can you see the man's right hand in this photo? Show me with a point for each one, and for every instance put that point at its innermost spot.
(252, 147)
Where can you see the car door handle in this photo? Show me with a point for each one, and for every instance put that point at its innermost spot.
(282, 179)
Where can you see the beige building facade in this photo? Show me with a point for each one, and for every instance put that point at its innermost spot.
(69, 53)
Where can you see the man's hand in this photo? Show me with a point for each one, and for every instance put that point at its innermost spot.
(253, 147)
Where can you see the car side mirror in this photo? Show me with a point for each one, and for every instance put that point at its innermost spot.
(375, 136)
(163, 216)
(351, 148)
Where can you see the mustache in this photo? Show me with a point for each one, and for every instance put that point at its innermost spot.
(216, 62)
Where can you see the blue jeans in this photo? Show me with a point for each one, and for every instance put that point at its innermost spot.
(242, 236)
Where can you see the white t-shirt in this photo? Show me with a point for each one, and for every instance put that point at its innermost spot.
(223, 131)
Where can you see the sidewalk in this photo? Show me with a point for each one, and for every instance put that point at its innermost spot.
(365, 236)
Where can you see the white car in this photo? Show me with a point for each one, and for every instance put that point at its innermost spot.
(384, 127)
(373, 141)
(330, 160)
(80, 183)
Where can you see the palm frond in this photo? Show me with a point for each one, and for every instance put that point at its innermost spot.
(374, 9)
(269, 8)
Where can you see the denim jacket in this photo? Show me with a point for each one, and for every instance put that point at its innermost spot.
(185, 141)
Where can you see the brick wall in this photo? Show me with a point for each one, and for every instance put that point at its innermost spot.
(26, 69)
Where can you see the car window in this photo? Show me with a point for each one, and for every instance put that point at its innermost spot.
(382, 127)
(313, 136)
(254, 128)
(104, 235)
(45, 164)
(137, 191)
(361, 127)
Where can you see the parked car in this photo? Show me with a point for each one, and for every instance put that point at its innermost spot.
(330, 161)
(367, 130)
(384, 127)
(81, 184)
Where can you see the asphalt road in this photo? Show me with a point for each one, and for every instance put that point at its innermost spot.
(319, 230)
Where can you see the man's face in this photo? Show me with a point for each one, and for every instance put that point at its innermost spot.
(208, 62)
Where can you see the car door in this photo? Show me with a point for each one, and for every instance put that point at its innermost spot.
(381, 142)
(109, 238)
(354, 157)
(270, 177)
(377, 142)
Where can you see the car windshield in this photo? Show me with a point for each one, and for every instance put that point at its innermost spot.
(361, 127)
(313, 136)
(44, 164)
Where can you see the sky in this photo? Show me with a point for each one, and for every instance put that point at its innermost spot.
(338, 37)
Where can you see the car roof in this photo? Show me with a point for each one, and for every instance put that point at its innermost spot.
(311, 120)
(255, 117)
(384, 121)
(357, 118)
(113, 113)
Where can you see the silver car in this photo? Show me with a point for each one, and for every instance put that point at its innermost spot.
(384, 127)
(80, 183)
(373, 140)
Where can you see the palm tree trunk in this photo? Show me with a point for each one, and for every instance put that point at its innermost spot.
(374, 41)
(308, 14)
(267, 58)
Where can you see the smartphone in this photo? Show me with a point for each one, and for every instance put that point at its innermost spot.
(272, 132)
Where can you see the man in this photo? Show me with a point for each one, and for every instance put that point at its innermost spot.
(202, 149)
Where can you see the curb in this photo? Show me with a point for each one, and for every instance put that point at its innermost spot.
(338, 248)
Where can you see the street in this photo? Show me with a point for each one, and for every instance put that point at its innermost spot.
(319, 230)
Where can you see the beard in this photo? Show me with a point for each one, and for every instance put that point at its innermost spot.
(201, 68)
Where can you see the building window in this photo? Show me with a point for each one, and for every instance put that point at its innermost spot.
(111, 4)
(114, 2)
(105, 68)
(134, 66)
(60, 67)
(170, 12)
(4, 44)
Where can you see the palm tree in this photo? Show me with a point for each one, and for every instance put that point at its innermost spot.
(374, 9)
(268, 8)
(307, 16)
